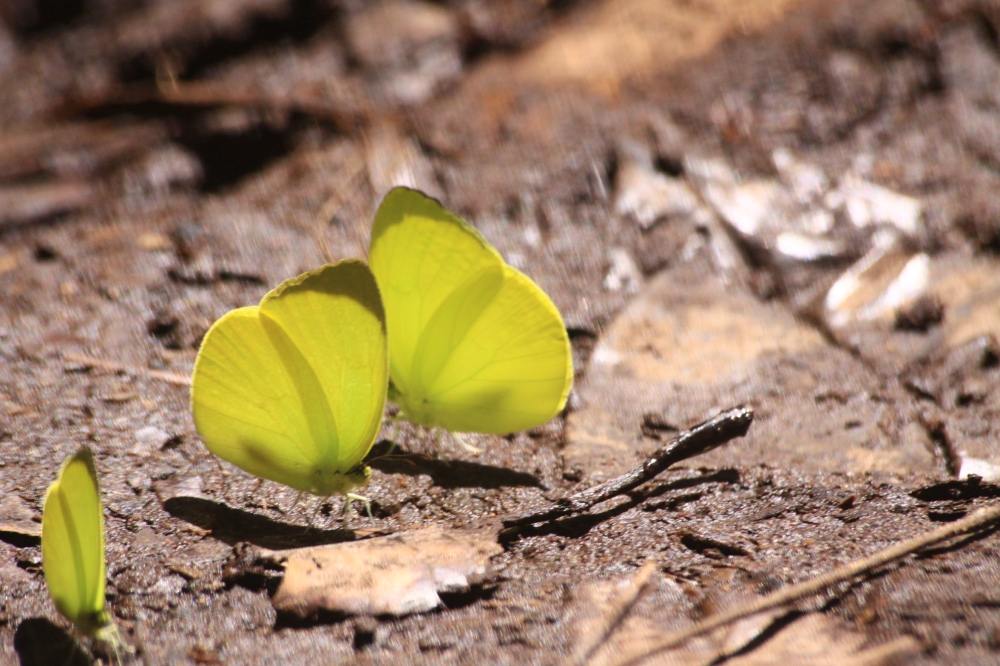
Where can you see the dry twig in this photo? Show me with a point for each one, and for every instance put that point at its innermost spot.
(621, 605)
(702, 438)
(975, 521)
(114, 366)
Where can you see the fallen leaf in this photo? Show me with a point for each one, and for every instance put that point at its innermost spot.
(389, 575)
(18, 523)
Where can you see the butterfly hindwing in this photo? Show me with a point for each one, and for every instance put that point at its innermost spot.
(336, 319)
(510, 371)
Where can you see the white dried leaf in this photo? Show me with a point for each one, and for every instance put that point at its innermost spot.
(388, 575)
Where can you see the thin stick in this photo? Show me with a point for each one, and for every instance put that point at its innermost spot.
(114, 366)
(974, 521)
(621, 605)
(702, 438)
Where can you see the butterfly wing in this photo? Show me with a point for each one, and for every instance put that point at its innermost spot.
(474, 344)
(337, 321)
(73, 543)
(420, 254)
(292, 390)
(511, 369)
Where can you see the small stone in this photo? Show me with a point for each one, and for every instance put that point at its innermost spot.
(150, 438)
(623, 274)
(984, 469)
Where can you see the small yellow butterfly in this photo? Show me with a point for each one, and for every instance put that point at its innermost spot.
(73, 549)
(293, 389)
(474, 344)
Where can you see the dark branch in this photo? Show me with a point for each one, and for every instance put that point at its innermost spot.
(700, 439)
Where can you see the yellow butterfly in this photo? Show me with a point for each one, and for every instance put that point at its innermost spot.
(474, 344)
(293, 389)
(73, 549)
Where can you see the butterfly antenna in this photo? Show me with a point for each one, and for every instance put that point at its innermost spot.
(350, 497)
(255, 495)
(296, 503)
(111, 638)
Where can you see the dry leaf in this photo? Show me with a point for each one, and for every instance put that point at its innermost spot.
(18, 522)
(390, 575)
(20, 533)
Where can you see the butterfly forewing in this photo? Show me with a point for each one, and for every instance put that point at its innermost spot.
(246, 405)
(420, 254)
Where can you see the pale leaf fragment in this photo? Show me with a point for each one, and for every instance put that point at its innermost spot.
(18, 523)
(388, 575)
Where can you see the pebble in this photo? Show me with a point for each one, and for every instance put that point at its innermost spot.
(150, 437)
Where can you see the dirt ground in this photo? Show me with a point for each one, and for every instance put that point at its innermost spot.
(162, 162)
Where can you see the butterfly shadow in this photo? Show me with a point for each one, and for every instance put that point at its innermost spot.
(393, 459)
(236, 525)
(40, 642)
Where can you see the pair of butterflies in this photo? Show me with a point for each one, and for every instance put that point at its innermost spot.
(293, 389)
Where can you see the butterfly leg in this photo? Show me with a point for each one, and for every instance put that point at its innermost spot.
(295, 505)
(462, 440)
(314, 516)
(350, 497)
(120, 650)
(255, 494)
(393, 432)
(346, 511)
